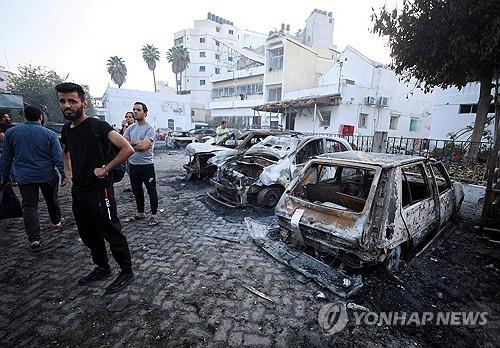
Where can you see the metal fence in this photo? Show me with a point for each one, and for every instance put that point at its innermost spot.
(450, 152)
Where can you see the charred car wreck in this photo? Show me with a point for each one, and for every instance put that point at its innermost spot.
(260, 175)
(368, 208)
(204, 158)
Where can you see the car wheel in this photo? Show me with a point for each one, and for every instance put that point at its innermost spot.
(392, 259)
(268, 197)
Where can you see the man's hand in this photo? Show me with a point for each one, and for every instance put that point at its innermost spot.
(101, 173)
(66, 180)
(124, 123)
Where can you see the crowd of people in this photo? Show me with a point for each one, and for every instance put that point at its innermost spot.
(89, 157)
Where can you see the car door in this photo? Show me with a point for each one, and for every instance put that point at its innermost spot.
(419, 208)
(304, 153)
(445, 193)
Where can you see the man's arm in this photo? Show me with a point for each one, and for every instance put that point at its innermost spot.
(125, 152)
(57, 155)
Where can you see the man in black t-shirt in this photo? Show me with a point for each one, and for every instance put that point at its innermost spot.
(86, 166)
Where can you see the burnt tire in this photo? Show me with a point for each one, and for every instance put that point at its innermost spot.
(268, 197)
(392, 260)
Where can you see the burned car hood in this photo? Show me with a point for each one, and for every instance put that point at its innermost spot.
(279, 147)
(196, 148)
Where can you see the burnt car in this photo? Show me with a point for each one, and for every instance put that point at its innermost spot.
(369, 208)
(260, 175)
(202, 134)
(204, 158)
(179, 139)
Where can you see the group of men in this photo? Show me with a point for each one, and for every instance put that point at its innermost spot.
(91, 148)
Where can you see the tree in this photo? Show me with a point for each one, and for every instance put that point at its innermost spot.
(36, 85)
(445, 43)
(151, 55)
(179, 57)
(117, 70)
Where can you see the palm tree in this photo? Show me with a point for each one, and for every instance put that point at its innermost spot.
(179, 57)
(117, 70)
(151, 55)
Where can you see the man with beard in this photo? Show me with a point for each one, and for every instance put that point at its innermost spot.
(36, 153)
(141, 168)
(86, 141)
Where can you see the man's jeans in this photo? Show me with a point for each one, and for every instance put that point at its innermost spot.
(29, 194)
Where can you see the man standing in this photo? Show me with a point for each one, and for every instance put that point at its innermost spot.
(221, 131)
(87, 165)
(36, 153)
(141, 168)
(128, 121)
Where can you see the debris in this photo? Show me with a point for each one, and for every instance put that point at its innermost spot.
(162, 210)
(331, 278)
(257, 292)
(440, 294)
(490, 266)
(319, 295)
(357, 307)
(118, 304)
(401, 287)
(433, 259)
(222, 238)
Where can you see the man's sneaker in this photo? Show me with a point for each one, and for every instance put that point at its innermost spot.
(59, 224)
(99, 273)
(123, 279)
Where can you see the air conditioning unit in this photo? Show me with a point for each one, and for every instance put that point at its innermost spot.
(382, 101)
(370, 100)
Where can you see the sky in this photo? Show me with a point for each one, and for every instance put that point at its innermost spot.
(75, 38)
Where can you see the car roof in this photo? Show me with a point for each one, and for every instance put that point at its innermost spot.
(381, 159)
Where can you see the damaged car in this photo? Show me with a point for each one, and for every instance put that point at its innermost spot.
(369, 208)
(260, 175)
(204, 158)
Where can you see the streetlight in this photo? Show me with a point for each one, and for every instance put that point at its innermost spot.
(341, 64)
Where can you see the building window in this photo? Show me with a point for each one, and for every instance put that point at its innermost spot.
(179, 41)
(363, 120)
(202, 40)
(231, 31)
(472, 109)
(202, 55)
(393, 123)
(217, 71)
(217, 29)
(414, 124)
(217, 43)
(202, 68)
(274, 93)
(171, 124)
(230, 59)
(275, 59)
(202, 82)
(217, 56)
(192, 113)
(325, 118)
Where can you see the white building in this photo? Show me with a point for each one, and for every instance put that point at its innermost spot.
(318, 32)
(372, 99)
(454, 110)
(234, 94)
(216, 46)
(164, 110)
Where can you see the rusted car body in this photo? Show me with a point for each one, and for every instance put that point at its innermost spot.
(260, 175)
(204, 158)
(368, 208)
(179, 139)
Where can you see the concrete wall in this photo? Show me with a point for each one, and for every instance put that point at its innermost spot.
(161, 106)
(299, 67)
(445, 112)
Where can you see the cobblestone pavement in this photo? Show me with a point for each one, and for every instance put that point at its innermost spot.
(188, 287)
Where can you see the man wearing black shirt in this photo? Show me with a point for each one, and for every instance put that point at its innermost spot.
(86, 141)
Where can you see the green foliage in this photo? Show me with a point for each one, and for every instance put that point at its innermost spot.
(117, 70)
(36, 85)
(442, 42)
(179, 57)
(151, 55)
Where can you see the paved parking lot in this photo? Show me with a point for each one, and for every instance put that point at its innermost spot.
(188, 289)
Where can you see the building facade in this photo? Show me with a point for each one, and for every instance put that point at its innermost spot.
(216, 46)
(164, 110)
